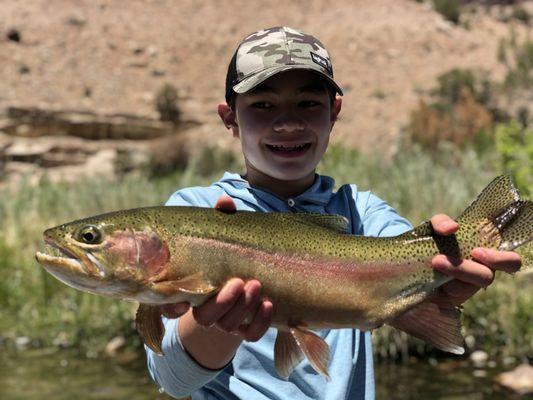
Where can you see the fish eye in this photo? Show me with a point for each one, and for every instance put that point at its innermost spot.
(90, 234)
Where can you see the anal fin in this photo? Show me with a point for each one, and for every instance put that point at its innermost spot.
(287, 354)
(150, 327)
(293, 345)
(436, 321)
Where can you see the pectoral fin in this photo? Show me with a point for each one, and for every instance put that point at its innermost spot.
(291, 347)
(150, 327)
(436, 321)
(335, 222)
(192, 284)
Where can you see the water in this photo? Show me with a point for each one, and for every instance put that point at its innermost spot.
(445, 380)
(59, 375)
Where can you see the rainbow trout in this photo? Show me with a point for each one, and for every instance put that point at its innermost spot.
(316, 275)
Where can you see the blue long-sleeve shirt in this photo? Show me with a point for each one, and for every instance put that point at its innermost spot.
(251, 374)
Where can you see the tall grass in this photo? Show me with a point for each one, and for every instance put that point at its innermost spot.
(415, 183)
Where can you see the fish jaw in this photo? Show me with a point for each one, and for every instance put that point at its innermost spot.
(80, 269)
(70, 271)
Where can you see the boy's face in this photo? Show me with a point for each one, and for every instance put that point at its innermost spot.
(284, 126)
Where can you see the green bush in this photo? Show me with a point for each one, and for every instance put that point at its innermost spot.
(166, 103)
(521, 14)
(514, 144)
(520, 72)
(460, 112)
(212, 160)
(167, 155)
(452, 83)
(450, 9)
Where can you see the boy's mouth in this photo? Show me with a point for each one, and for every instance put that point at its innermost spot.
(289, 149)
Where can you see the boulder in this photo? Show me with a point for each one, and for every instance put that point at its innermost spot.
(519, 380)
(84, 124)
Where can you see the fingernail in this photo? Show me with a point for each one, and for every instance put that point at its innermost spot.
(450, 225)
(439, 262)
(479, 253)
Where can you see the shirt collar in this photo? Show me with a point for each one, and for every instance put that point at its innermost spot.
(317, 195)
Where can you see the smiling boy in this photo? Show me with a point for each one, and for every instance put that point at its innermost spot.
(282, 103)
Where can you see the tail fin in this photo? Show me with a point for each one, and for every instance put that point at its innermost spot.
(501, 219)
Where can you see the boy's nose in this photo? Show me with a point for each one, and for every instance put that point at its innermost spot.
(288, 123)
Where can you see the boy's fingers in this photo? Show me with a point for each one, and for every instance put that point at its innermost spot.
(245, 305)
(174, 310)
(507, 261)
(444, 225)
(216, 307)
(467, 271)
(260, 324)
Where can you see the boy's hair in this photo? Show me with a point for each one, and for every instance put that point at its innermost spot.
(268, 52)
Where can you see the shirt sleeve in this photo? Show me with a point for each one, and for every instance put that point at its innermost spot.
(176, 372)
(195, 196)
(378, 218)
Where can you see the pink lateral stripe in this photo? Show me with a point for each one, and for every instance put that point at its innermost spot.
(309, 265)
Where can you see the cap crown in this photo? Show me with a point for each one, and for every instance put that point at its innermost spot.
(280, 46)
(267, 52)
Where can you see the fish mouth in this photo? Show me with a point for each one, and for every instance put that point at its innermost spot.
(61, 260)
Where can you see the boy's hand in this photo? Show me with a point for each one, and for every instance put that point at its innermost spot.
(236, 302)
(212, 332)
(238, 309)
(470, 275)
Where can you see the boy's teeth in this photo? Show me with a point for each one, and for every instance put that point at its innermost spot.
(283, 147)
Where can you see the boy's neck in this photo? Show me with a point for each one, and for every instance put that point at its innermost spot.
(281, 188)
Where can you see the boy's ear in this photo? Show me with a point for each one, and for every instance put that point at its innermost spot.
(228, 117)
(335, 109)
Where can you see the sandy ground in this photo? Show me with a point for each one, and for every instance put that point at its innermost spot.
(113, 56)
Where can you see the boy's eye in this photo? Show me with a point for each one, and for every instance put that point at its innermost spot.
(308, 103)
(262, 104)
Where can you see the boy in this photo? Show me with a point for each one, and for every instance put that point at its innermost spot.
(281, 103)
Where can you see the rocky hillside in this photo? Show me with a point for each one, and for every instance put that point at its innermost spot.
(111, 57)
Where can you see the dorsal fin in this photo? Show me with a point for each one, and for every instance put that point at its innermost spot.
(330, 221)
(425, 229)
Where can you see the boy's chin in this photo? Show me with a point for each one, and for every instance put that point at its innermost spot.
(288, 176)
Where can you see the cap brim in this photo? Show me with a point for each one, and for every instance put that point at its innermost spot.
(253, 81)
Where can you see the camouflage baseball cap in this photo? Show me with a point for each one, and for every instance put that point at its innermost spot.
(268, 52)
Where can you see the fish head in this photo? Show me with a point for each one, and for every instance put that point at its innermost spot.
(116, 255)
